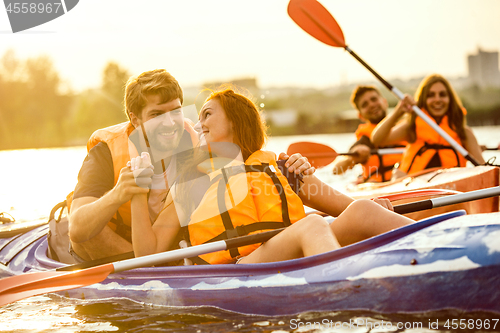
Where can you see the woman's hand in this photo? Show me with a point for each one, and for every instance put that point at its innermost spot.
(297, 163)
(142, 170)
(405, 105)
(384, 203)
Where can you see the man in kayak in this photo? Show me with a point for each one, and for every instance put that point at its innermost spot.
(372, 108)
(99, 219)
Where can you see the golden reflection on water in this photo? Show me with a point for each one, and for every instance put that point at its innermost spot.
(42, 314)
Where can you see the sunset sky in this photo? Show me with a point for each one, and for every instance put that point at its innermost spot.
(200, 40)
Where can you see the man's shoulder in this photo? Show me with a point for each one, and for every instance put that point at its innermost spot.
(365, 129)
(117, 128)
(101, 149)
(96, 175)
(110, 133)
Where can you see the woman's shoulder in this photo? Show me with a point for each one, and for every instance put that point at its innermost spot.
(261, 156)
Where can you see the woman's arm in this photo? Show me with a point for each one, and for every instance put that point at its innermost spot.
(389, 131)
(149, 239)
(146, 238)
(320, 196)
(472, 146)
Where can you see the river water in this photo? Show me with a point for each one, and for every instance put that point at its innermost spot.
(32, 181)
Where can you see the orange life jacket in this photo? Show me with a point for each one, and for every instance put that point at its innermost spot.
(428, 142)
(262, 198)
(117, 139)
(378, 168)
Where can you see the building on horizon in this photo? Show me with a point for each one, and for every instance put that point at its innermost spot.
(483, 69)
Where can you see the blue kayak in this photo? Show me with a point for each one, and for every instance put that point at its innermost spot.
(450, 261)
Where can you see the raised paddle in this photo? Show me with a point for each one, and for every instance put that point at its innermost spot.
(320, 155)
(314, 19)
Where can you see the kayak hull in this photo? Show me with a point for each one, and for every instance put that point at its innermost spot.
(445, 262)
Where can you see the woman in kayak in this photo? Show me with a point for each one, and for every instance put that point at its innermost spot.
(245, 198)
(426, 148)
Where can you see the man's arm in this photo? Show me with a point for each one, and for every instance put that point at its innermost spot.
(95, 202)
(90, 215)
(362, 148)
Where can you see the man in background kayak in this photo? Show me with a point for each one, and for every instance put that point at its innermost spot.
(372, 108)
(99, 219)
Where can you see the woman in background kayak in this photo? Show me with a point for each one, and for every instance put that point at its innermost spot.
(266, 202)
(426, 148)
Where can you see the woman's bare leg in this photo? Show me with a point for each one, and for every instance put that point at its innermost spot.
(363, 219)
(306, 237)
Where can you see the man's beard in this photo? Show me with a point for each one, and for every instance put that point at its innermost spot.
(165, 144)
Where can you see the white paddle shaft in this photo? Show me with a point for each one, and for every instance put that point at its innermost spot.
(163, 257)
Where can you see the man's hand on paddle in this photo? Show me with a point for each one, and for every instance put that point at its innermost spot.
(362, 153)
(297, 163)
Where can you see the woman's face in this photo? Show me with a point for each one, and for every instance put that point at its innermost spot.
(214, 124)
(438, 100)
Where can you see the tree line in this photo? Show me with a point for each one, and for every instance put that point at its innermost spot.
(37, 111)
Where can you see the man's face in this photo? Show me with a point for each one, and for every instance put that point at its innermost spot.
(164, 123)
(372, 107)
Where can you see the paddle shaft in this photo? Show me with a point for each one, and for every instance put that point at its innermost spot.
(461, 150)
(388, 151)
(449, 200)
(193, 251)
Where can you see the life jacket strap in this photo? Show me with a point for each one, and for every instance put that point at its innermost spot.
(382, 169)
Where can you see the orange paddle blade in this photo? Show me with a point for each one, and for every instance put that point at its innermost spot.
(22, 286)
(319, 155)
(314, 19)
